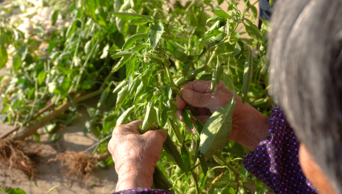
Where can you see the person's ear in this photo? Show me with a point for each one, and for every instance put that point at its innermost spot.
(313, 172)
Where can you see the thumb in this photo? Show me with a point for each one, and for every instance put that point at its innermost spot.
(205, 100)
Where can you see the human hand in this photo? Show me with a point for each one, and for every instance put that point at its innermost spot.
(135, 155)
(249, 125)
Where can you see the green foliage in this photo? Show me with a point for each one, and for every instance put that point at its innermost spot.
(217, 129)
(136, 56)
(10, 190)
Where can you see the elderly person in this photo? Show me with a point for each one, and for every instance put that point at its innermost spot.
(297, 149)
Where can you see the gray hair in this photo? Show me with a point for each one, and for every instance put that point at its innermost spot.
(306, 76)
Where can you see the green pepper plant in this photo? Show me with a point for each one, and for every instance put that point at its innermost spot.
(137, 55)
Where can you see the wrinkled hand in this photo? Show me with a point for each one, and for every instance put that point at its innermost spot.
(249, 125)
(135, 155)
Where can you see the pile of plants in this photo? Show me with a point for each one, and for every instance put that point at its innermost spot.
(136, 56)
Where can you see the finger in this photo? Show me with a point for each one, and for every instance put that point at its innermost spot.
(156, 136)
(200, 86)
(180, 103)
(179, 115)
(192, 131)
(208, 100)
(201, 111)
(203, 118)
(132, 127)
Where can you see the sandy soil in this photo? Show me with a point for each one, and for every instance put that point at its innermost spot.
(48, 175)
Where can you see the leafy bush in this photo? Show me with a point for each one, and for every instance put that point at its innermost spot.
(139, 53)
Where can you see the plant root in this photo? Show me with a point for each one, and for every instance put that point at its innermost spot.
(13, 156)
(79, 164)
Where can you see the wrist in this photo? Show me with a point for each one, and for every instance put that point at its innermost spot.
(133, 178)
(252, 127)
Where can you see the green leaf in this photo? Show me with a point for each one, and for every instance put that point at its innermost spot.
(271, 2)
(49, 128)
(54, 137)
(217, 75)
(23, 52)
(211, 33)
(247, 75)
(265, 25)
(254, 32)
(53, 17)
(122, 62)
(141, 21)
(105, 52)
(203, 164)
(171, 149)
(39, 29)
(163, 118)
(122, 96)
(160, 181)
(215, 39)
(185, 157)
(14, 191)
(123, 117)
(41, 77)
(37, 136)
(238, 48)
(206, 77)
(71, 29)
(131, 40)
(221, 13)
(115, 55)
(103, 97)
(120, 86)
(3, 56)
(70, 119)
(167, 96)
(217, 129)
(254, 11)
(155, 34)
(90, 7)
(130, 16)
(187, 118)
(150, 117)
(87, 47)
(16, 61)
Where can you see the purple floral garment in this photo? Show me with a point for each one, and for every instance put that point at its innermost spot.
(275, 161)
(143, 191)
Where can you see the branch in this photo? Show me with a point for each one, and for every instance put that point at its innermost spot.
(30, 130)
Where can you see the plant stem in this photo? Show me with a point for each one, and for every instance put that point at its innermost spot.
(195, 180)
(236, 172)
(30, 130)
(85, 63)
(97, 143)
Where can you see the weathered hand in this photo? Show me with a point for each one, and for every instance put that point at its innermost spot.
(135, 155)
(249, 125)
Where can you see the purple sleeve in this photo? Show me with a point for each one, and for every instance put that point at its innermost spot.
(275, 161)
(143, 191)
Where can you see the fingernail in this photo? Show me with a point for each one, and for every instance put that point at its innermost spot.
(179, 115)
(187, 94)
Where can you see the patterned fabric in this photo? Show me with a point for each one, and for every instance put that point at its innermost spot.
(275, 161)
(143, 191)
